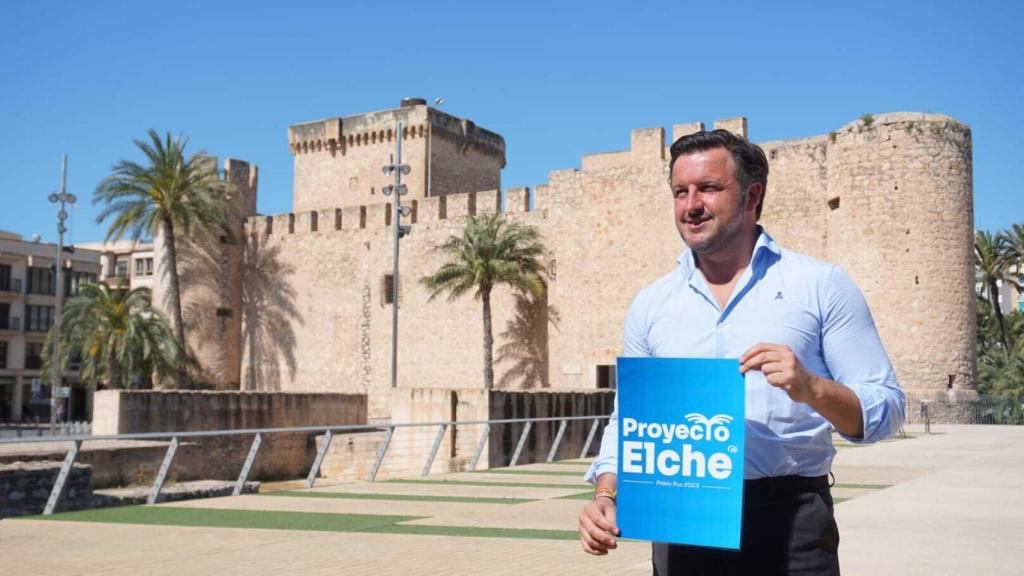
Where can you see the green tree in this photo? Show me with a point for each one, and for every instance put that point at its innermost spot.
(116, 334)
(992, 264)
(1012, 242)
(490, 252)
(173, 195)
(1000, 372)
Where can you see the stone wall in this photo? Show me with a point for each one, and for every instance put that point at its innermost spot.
(25, 487)
(508, 405)
(351, 456)
(281, 456)
(140, 411)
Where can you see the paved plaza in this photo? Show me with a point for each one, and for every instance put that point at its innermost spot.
(947, 503)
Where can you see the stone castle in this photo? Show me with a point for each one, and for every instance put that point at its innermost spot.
(301, 301)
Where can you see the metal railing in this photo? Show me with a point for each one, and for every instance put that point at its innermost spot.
(11, 287)
(981, 410)
(57, 492)
(36, 428)
(12, 323)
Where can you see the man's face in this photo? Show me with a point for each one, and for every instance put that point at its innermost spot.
(710, 209)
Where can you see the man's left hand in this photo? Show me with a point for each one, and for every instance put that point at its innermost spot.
(782, 369)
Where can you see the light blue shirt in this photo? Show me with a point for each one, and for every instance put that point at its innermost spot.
(783, 297)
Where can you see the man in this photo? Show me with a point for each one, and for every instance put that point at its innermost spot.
(808, 348)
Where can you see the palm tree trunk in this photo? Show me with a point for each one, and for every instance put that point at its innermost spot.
(175, 297)
(485, 294)
(113, 372)
(993, 292)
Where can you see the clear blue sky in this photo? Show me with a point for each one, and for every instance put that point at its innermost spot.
(556, 79)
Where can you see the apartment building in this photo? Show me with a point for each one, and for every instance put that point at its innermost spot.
(27, 311)
(125, 260)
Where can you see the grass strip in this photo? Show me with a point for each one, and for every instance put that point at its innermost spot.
(570, 463)
(477, 532)
(529, 472)
(218, 518)
(400, 497)
(308, 521)
(486, 483)
(577, 496)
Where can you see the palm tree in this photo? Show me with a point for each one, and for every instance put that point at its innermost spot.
(992, 264)
(172, 195)
(491, 251)
(1012, 241)
(116, 334)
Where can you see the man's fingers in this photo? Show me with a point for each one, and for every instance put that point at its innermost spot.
(757, 349)
(773, 368)
(756, 361)
(762, 347)
(610, 515)
(603, 517)
(591, 546)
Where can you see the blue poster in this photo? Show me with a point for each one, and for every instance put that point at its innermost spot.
(681, 429)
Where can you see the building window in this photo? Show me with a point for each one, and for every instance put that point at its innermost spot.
(40, 280)
(38, 318)
(121, 267)
(5, 316)
(606, 376)
(75, 363)
(3, 354)
(143, 266)
(387, 290)
(33, 356)
(5, 278)
(73, 281)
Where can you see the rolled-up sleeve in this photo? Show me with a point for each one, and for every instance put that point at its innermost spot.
(634, 338)
(855, 357)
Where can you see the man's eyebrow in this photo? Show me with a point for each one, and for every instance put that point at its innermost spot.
(699, 184)
(704, 183)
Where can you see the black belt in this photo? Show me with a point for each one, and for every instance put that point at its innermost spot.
(783, 485)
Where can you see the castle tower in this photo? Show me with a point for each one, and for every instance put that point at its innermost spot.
(210, 273)
(338, 161)
(901, 221)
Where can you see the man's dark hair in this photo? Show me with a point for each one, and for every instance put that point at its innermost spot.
(751, 163)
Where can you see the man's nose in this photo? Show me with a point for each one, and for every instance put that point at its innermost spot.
(694, 202)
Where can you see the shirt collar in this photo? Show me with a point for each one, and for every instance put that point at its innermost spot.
(687, 263)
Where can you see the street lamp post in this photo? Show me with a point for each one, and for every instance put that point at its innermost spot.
(63, 198)
(397, 211)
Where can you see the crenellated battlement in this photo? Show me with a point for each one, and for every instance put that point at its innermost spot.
(648, 144)
(338, 160)
(378, 216)
(378, 128)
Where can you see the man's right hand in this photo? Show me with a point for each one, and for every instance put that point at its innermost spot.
(597, 526)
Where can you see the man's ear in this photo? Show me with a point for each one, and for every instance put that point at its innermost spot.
(754, 194)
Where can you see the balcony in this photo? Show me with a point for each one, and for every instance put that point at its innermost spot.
(10, 324)
(11, 288)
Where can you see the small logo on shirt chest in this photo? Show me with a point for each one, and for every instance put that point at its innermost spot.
(778, 295)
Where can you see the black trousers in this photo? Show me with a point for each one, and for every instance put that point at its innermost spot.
(788, 529)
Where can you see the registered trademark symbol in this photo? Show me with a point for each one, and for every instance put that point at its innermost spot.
(733, 449)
